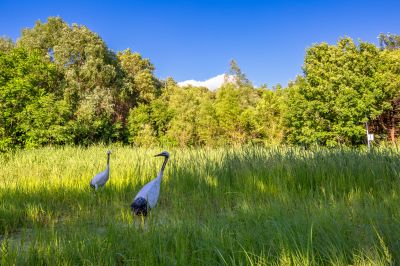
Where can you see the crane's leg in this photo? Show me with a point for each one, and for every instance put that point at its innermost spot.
(142, 222)
(138, 221)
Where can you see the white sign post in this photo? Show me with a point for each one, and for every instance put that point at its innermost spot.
(370, 137)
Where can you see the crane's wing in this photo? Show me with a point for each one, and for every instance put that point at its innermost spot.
(150, 192)
(153, 194)
(145, 190)
(100, 179)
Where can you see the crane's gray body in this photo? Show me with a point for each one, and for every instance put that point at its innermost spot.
(148, 196)
(150, 192)
(101, 178)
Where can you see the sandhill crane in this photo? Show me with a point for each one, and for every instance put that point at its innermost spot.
(147, 197)
(101, 178)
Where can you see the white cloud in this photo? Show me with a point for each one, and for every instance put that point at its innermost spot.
(212, 83)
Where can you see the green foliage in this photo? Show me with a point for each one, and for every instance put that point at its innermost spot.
(89, 74)
(45, 122)
(43, 36)
(93, 80)
(189, 108)
(269, 116)
(234, 108)
(94, 118)
(389, 41)
(28, 108)
(60, 84)
(6, 44)
(148, 124)
(236, 76)
(344, 86)
(193, 116)
(140, 85)
(80, 54)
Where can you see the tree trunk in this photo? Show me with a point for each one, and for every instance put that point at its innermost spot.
(392, 135)
(392, 128)
(388, 122)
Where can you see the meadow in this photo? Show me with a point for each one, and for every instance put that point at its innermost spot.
(246, 206)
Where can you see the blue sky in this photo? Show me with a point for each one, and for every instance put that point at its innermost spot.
(197, 39)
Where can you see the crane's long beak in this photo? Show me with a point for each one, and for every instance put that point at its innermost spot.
(160, 154)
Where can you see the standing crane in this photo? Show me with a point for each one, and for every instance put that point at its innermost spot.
(147, 197)
(101, 178)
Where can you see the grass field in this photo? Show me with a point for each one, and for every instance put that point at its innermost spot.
(250, 206)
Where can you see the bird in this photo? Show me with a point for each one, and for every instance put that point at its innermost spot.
(101, 178)
(146, 199)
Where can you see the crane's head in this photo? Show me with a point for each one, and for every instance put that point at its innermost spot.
(108, 152)
(164, 153)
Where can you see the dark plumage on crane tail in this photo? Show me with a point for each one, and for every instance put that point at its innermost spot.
(140, 206)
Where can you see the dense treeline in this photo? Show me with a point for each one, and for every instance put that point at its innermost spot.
(61, 84)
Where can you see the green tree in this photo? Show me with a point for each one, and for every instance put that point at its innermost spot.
(44, 121)
(344, 86)
(43, 36)
(6, 44)
(187, 106)
(89, 75)
(236, 76)
(140, 84)
(269, 116)
(389, 41)
(26, 102)
(148, 124)
(388, 121)
(208, 128)
(235, 110)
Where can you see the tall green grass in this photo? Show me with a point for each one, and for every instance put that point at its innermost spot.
(252, 206)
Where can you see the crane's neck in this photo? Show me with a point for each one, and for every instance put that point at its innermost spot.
(108, 160)
(161, 173)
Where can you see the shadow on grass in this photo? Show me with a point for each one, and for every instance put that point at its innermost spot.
(260, 206)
